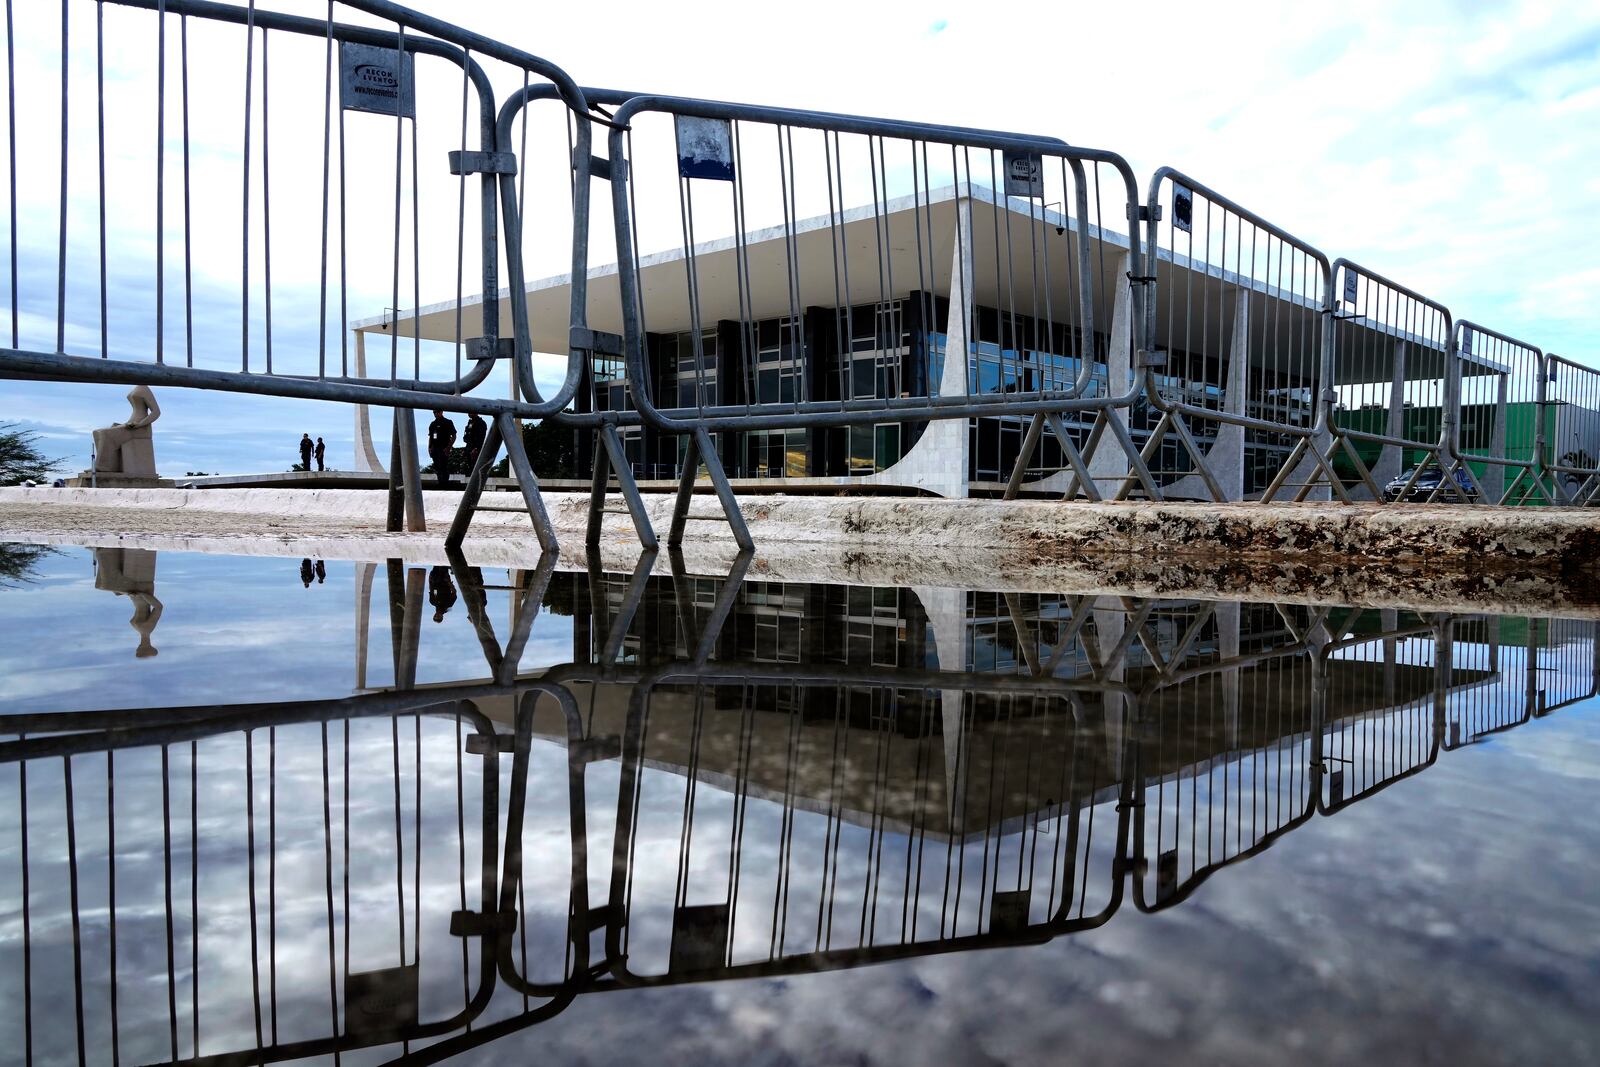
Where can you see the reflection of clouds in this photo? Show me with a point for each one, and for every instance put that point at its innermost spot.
(228, 623)
(1449, 912)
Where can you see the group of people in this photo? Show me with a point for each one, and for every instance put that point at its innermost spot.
(441, 443)
(309, 450)
(442, 439)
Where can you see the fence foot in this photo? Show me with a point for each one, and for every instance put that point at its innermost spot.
(609, 457)
(474, 489)
(700, 450)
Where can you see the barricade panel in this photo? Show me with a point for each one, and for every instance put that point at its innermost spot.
(1501, 436)
(217, 205)
(1238, 316)
(1572, 406)
(1389, 368)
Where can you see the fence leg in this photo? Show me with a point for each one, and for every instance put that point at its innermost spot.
(406, 434)
(1193, 448)
(599, 478)
(615, 460)
(397, 498)
(1029, 443)
(700, 442)
(474, 488)
(1137, 465)
(511, 435)
(1080, 466)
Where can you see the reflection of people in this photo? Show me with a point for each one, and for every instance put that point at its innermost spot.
(319, 452)
(441, 592)
(322, 572)
(473, 438)
(305, 451)
(441, 436)
(108, 442)
(306, 572)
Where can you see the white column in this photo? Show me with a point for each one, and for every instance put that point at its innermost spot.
(1226, 458)
(1494, 475)
(366, 456)
(938, 461)
(1390, 457)
(1228, 616)
(1109, 626)
(947, 625)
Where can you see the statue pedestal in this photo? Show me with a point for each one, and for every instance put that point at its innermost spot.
(104, 480)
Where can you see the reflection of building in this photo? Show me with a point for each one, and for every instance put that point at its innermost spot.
(859, 775)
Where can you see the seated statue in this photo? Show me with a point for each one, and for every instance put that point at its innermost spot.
(127, 448)
(131, 572)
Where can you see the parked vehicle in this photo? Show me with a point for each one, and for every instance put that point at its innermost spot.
(1427, 483)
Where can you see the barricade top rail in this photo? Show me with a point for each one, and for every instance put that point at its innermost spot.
(294, 271)
(935, 189)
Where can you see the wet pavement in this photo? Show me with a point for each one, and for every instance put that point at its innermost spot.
(273, 810)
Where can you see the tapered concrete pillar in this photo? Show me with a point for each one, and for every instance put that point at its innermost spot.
(1494, 475)
(1390, 457)
(1109, 626)
(946, 610)
(366, 453)
(364, 573)
(1108, 464)
(1225, 461)
(938, 462)
(1228, 616)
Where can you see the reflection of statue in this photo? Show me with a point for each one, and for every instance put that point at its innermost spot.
(128, 447)
(131, 572)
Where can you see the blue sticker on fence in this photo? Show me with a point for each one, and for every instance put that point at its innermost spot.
(705, 148)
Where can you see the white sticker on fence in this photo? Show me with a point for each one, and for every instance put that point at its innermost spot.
(705, 148)
(1024, 174)
(376, 79)
(1182, 209)
(1349, 286)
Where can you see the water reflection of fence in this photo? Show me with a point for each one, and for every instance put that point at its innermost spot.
(400, 864)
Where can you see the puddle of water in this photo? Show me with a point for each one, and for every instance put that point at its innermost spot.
(265, 810)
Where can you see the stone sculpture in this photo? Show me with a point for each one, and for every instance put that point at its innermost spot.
(124, 452)
(131, 572)
(128, 448)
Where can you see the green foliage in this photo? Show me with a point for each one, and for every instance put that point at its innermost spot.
(17, 562)
(20, 458)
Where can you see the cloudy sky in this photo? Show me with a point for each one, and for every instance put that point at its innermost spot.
(1450, 146)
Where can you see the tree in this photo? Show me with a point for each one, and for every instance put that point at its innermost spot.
(17, 563)
(20, 458)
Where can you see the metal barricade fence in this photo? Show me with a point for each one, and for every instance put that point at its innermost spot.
(1496, 418)
(1378, 731)
(134, 267)
(1572, 403)
(344, 903)
(1390, 358)
(975, 280)
(1223, 751)
(1238, 314)
(857, 816)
